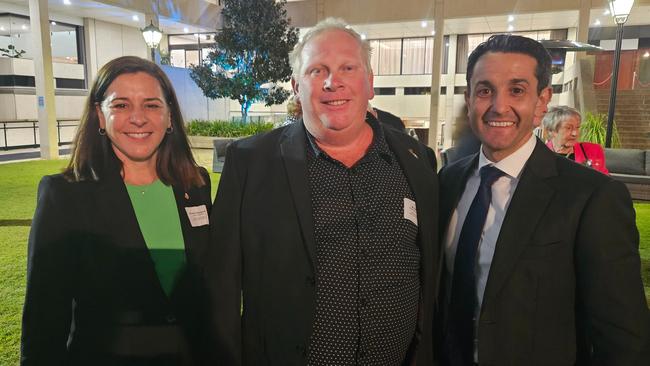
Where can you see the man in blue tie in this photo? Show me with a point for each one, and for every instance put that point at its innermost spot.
(541, 254)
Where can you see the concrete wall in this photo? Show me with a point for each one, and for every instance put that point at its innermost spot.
(106, 41)
(194, 105)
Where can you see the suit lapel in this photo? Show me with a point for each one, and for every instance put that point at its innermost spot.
(293, 147)
(115, 205)
(527, 206)
(453, 180)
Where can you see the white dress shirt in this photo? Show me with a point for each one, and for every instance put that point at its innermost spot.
(502, 191)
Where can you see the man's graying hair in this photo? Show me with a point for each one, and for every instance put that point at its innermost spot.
(508, 43)
(325, 25)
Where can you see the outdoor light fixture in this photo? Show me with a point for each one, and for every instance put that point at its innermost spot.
(620, 10)
(152, 36)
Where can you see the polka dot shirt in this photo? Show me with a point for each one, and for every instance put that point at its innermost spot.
(368, 261)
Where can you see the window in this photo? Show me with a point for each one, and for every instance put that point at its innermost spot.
(15, 30)
(428, 56)
(413, 56)
(419, 90)
(384, 91)
(189, 49)
(473, 40)
(389, 56)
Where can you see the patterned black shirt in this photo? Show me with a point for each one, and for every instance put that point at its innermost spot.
(368, 261)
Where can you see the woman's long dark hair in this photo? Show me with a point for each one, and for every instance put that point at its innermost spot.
(92, 154)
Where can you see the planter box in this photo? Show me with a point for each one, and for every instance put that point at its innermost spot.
(217, 144)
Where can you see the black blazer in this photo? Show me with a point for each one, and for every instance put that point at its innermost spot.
(93, 295)
(564, 286)
(264, 248)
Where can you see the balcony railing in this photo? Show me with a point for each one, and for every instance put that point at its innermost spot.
(19, 134)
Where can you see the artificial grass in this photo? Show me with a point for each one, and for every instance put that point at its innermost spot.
(18, 184)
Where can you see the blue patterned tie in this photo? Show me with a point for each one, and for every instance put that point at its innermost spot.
(463, 288)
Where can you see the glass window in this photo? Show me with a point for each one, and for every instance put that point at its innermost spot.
(384, 91)
(16, 39)
(428, 56)
(389, 56)
(191, 57)
(419, 90)
(374, 56)
(413, 56)
(177, 58)
(64, 43)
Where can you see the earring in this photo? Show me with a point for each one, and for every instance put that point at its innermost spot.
(102, 131)
(170, 130)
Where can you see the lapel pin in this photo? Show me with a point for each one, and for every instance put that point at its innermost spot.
(187, 196)
(413, 153)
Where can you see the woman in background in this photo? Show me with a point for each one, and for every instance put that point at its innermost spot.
(112, 273)
(562, 125)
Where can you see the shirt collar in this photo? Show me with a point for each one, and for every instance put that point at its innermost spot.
(378, 145)
(514, 163)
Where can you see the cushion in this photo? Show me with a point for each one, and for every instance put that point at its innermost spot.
(626, 161)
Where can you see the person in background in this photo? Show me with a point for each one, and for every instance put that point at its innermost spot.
(562, 125)
(112, 270)
(325, 231)
(387, 118)
(294, 111)
(542, 254)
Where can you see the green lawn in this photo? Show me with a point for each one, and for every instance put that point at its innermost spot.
(18, 183)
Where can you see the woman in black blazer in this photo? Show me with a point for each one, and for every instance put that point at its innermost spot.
(112, 272)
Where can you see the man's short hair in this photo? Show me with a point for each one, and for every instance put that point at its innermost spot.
(558, 114)
(325, 25)
(508, 43)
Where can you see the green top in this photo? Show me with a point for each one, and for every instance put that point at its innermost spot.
(157, 214)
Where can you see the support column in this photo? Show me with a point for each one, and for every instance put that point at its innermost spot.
(40, 31)
(450, 118)
(439, 22)
(90, 50)
(585, 63)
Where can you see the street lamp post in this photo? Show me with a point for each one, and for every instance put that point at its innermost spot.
(152, 36)
(620, 10)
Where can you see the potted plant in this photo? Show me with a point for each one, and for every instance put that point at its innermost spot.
(594, 128)
(218, 135)
(12, 52)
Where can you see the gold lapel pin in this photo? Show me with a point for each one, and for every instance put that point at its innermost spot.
(413, 153)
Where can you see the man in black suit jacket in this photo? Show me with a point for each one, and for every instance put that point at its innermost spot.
(554, 273)
(319, 258)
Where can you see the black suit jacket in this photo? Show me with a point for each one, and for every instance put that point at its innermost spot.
(564, 286)
(93, 295)
(264, 250)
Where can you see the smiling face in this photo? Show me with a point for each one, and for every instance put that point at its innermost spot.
(567, 134)
(333, 86)
(503, 102)
(135, 115)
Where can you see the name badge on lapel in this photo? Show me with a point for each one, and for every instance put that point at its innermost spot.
(410, 212)
(198, 215)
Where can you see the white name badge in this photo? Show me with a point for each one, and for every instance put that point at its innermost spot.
(410, 212)
(198, 215)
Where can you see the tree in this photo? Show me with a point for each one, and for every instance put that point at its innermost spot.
(250, 54)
